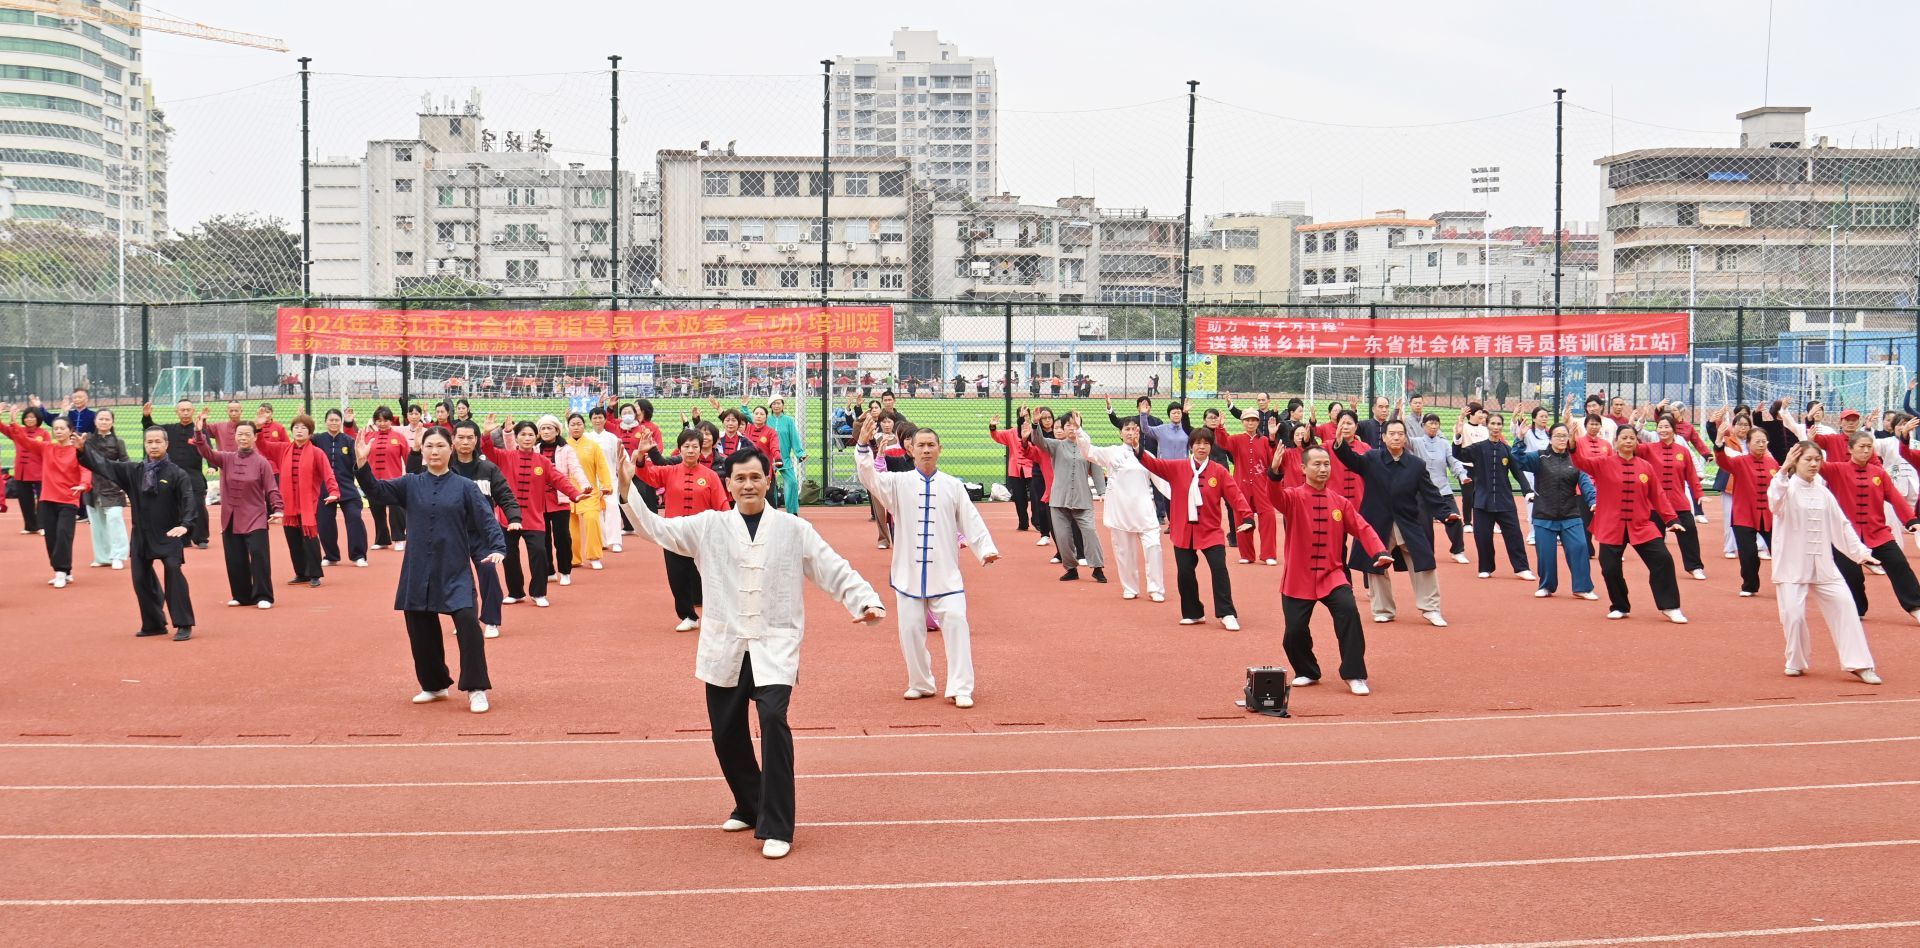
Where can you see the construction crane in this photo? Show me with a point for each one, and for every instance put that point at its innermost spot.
(127, 19)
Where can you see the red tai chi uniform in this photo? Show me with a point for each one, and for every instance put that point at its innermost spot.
(1864, 492)
(684, 492)
(1747, 478)
(306, 478)
(1629, 497)
(1318, 523)
(1252, 455)
(537, 485)
(1195, 521)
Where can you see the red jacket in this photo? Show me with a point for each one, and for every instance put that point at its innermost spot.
(1747, 479)
(684, 492)
(1318, 522)
(534, 480)
(1042, 464)
(1863, 491)
(766, 439)
(60, 470)
(1344, 482)
(1677, 473)
(1685, 431)
(26, 463)
(1292, 474)
(388, 451)
(1252, 454)
(1216, 485)
(303, 470)
(1629, 494)
(1018, 463)
(272, 432)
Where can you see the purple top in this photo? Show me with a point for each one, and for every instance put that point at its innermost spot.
(249, 491)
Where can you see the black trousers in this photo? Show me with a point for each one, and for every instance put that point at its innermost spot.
(389, 524)
(330, 530)
(559, 542)
(763, 789)
(1906, 588)
(1456, 530)
(1747, 541)
(683, 577)
(1659, 563)
(201, 530)
(430, 651)
(249, 569)
(1041, 515)
(1688, 540)
(1586, 520)
(303, 551)
(28, 496)
(157, 602)
(533, 581)
(486, 578)
(1186, 563)
(1017, 486)
(58, 521)
(1298, 640)
(1466, 502)
(1509, 523)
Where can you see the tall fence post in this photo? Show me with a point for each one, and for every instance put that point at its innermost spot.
(613, 226)
(1559, 236)
(1740, 355)
(406, 369)
(306, 226)
(826, 275)
(1186, 241)
(1006, 379)
(146, 352)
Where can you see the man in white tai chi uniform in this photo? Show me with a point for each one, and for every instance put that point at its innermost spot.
(931, 512)
(752, 560)
(1130, 514)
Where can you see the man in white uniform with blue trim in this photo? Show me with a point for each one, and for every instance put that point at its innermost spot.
(931, 513)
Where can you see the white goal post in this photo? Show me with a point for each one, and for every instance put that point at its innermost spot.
(1866, 387)
(176, 382)
(1348, 383)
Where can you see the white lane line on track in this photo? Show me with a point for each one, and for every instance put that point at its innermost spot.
(982, 821)
(1012, 772)
(1700, 936)
(968, 883)
(1261, 726)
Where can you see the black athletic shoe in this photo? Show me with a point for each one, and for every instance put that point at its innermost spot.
(1070, 575)
(181, 635)
(314, 583)
(297, 580)
(1099, 575)
(143, 633)
(199, 546)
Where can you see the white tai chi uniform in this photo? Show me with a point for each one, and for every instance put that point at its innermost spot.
(610, 530)
(1808, 526)
(1130, 515)
(930, 515)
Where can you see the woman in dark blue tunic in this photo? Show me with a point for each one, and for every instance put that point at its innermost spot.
(451, 528)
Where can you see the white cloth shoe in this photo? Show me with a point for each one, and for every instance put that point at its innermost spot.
(1459, 557)
(566, 579)
(915, 694)
(1699, 574)
(1866, 675)
(963, 701)
(119, 564)
(1435, 618)
(1302, 681)
(1272, 562)
(1589, 596)
(1129, 595)
(508, 600)
(1526, 574)
(541, 601)
(1485, 575)
(1795, 672)
(616, 548)
(233, 602)
(1382, 617)
(776, 848)
(490, 631)
(322, 563)
(735, 826)
(1043, 541)
(1541, 593)
(477, 702)
(1082, 561)
(686, 625)
(1616, 614)
(595, 564)
(429, 697)
(1766, 554)
(1246, 561)
(400, 547)
(265, 604)
(1675, 616)
(1231, 622)
(1189, 621)
(59, 580)
(1733, 556)
(1359, 686)
(1157, 597)
(361, 562)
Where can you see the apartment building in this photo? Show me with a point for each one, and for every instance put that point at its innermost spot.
(1248, 257)
(1140, 256)
(1449, 258)
(1000, 249)
(924, 102)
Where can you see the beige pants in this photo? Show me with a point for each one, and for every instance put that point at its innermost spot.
(1835, 602)
(1426, 585)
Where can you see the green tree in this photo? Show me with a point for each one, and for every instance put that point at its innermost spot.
(237, 256)
(60, 261)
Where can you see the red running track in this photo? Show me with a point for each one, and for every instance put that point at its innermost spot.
(1531, 774)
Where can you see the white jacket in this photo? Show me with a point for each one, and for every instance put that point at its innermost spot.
(1130, 487)
(930, 515)
(752, 586)
(1808, 525)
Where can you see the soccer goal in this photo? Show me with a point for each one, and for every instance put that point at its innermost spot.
(177, 382)
(1865, 387)
(1348, 383)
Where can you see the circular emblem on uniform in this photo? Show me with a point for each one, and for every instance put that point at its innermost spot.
(539, 470)
(699, 482)
(1213, 482)
(345, 449)
(1503, 462)
(1336, 516)
(1876, 481)
(1643, 478)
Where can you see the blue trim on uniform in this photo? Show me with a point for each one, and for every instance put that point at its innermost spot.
(926, 527)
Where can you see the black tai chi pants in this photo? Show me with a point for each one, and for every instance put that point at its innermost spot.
(1186, 563)
(157, 601)
(1298, 639)
(531, 579)
(58, 521)
(1906, 589)
(202, 528)
(430, 650)
(683, 578)
(249, 569)
(1017, 487)
(389, 524)
(1688, 540)
(330, 530)
(304, 552)
(1509, 523)
(1659, 563)
(560, 542)
(763, 789)
(1746, 540)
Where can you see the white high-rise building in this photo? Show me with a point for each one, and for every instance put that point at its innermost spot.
(80, 139)
(925, 102)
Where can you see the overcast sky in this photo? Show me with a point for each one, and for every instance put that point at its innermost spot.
(1349, 106)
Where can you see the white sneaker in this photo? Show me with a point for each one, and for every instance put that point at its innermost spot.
(490, 631)
(1877, 570)
(1675, 616)
(616, 548)
(1302, 681)
(119, 564)
(1530, 539)
(1541, 593)
(1526, 574)
(1916, 615)
(1082, 561)
(963, 701)
(1589, 596)
(1699, 574)
(378, 546)
(1700, 519)
(264, 604)
(400, 547)
(1459, 557)
(1434, 617)
(1043, 541)
(1246, 561)
(55, 579)
(1189, 621)
(566, 579)
(1766, 554)
(1747, 595)
(686, 625)
(233, 602)
(775, 848)
(1231, 622)
(1866, 675)
(915, 694)
(1271, 562)
(541, 601)
(1382, 617)
(735, 826)
(1484, 575)
(508, 600)
(477, 702)
(326, 562)
(595, 564)
(361, 562)
(1129, 595)
(1616, 614)
(1795, 672)
(1157, 597)
(429, 697)
(1359, 686)
(553, 577)
(1733, 556)
(1496, 530)
(59, 580)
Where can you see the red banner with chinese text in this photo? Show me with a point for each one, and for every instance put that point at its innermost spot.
(1499, 337)
(578, 333)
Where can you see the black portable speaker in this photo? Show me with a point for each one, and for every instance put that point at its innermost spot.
(1268, 688)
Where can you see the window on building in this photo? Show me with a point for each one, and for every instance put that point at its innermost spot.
(1311, 244)
(1242, 274)
(596, 232)
(1621, 216)
(1686, 215)
(863, 82)
(855, 185)
(402, 185)
(786, 184)
(1310, 277)
(786, 232)
(813, 278)
(1328, 276)
(1219, 274)
(715, 184)
(443, 231)
(717, 231)
(789, 279)
(715, 276)
(443, 197)
(749, 277)
(523, 271)
(1726, 258)
(1240, 239)
(753, 231)
(893, 280)
(1352, 241)
(816, 231)
(1395, 236)
(1460, 259)
(753, 184)
(814, 179)
(1350, 275)
(402, 222)
(1683, 258)
(403, 153)
(893, 231)
(403, 258)
(1433, 258)
(596, 197)
(1195, 276)
(856, 232)
(893, 183)
(862, 279)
